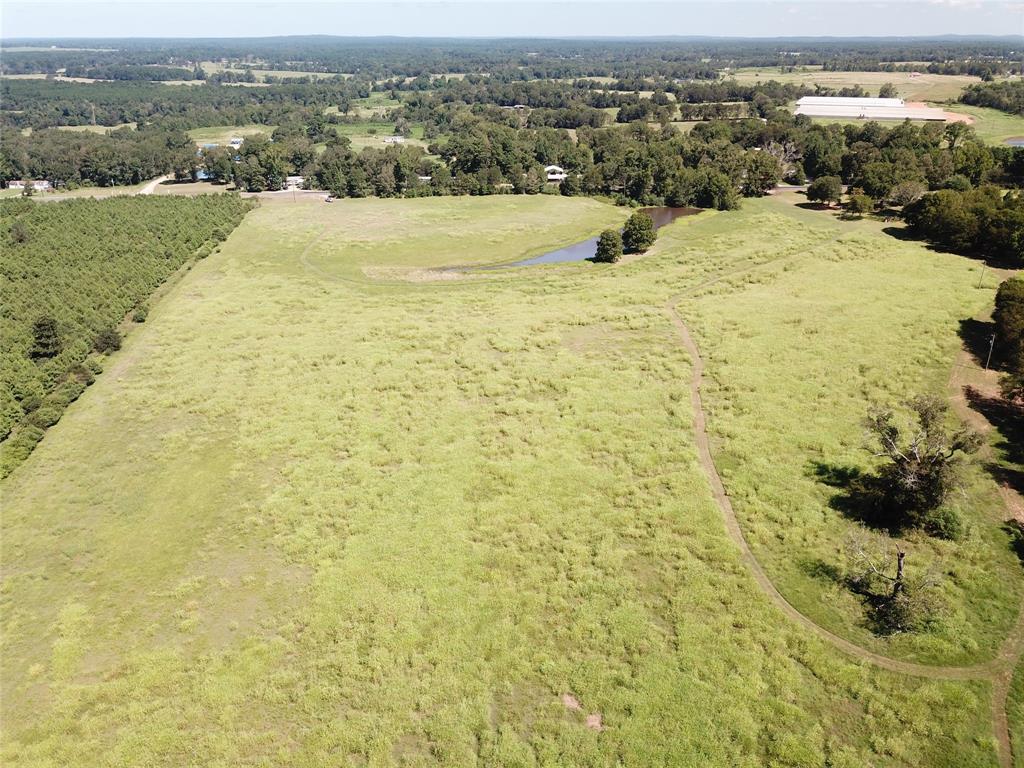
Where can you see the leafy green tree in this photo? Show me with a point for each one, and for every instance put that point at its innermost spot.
(639, 233)
(609, 247)
(906, 192)
(825, 189)
(714, 189)
(922, 464)
(973, 160)
(46, 341)
(763, 173)
(888, 91)
(958, 133)
(860, 204)
(1009, 322)
(570, 186)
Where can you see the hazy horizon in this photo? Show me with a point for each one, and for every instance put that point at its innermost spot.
(484, 19)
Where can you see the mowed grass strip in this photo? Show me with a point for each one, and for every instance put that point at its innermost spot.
(302, 520)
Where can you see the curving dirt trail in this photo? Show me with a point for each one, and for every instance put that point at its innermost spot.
(998, 671)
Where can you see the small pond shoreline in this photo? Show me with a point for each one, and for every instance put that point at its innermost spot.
(583, 250)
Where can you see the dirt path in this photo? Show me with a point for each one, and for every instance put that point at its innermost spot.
(151, 186)
(998, 671)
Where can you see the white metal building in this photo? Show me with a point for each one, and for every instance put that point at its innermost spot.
(866, 108)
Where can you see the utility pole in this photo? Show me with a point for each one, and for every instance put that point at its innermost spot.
(991, 344)
(982, 275)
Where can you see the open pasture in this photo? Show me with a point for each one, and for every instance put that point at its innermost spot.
(371, 133)
(795, 353)
(222, 134)
(352, 518)
(910, 86)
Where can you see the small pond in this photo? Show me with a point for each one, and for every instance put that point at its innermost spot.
(587, 248)
(1015, 142)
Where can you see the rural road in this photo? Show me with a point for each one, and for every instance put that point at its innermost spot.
(151, 186)
(997, 671)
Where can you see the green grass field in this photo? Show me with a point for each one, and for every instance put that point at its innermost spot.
(1016, 714)
(992, 125)
(775, 429)
(321, 509)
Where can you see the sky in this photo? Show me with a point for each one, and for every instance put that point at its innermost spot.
(502, 18)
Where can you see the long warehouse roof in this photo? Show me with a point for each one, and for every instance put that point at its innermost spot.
(849, 101)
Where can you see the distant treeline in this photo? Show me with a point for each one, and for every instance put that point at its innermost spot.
(72, 271)
(45, 103)
(135, 72)
(986, 69)
(513, 59)
(1007, 96)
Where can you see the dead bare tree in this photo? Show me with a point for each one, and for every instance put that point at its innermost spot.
(898, 602)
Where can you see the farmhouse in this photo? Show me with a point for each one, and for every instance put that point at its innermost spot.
(863, 108)
(555, 173)
(236, 142)
(294, 182)
(394, 139)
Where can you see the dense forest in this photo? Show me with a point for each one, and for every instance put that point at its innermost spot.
(71, 272)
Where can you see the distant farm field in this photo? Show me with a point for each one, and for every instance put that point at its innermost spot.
(920, 87)
(222, 134)
(95, 128)
(331, 505)
(214, 67)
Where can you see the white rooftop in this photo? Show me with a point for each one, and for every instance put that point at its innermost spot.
(849, 101)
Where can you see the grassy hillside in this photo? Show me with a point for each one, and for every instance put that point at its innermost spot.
(363, 513)
(82, 265)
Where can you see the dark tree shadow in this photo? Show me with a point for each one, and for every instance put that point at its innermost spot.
(975, 335)
(900, 233)
(861, 497)
(1015, 530)
(1008, 419)
(834, 475)
(821, 570)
